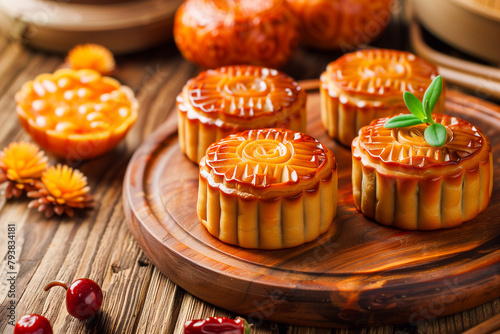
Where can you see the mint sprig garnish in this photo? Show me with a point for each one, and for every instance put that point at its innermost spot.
(421, 112)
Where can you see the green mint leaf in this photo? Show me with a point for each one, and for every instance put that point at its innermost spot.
(402, 121)
(427, 111)
(414, 105)
(432, 94)
(435, 134)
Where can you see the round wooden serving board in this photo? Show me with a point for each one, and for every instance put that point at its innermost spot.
(365, 274)
(120, 25)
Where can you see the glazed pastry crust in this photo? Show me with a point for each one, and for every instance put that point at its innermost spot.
(399, 180)
(341, 25)
(214, 33)
(369, 84)
(231, 99)
(267, 189)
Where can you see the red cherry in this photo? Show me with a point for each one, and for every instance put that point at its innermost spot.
(33, 324)
(217, 325)
(83, 297)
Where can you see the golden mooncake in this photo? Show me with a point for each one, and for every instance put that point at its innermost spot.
(399, 180)
(214, 33)
(341, 24)
(232, 99)
(267, 189)
(369, 84)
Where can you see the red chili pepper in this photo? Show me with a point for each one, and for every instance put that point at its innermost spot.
(217, 325)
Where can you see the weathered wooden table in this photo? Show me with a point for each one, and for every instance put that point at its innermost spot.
(98, 244)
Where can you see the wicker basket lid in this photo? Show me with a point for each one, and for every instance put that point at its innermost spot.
(487, 8)
(472, 26)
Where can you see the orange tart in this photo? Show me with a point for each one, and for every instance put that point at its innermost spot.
(76, 114)
(364, 85)
(399, 180)
(344, 25)
(213, 33)
(267, 189)
(236, 98)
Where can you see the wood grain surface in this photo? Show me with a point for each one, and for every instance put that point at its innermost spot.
(357, 274)
(138, 298)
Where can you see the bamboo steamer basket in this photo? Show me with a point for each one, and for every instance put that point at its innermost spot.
(122, 26)
(472, 26)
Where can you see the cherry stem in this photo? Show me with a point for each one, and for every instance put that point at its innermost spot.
(55, 283)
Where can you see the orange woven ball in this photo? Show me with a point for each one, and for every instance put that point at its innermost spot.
(341, 24)
(214, 33)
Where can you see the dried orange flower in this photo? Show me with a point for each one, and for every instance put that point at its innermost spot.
(91, 56)
(61, 190)
(20, 165)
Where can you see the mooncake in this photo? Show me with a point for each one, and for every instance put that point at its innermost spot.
(214, 33)
(267, 189)
(364, 85)
(341, 24)
(400, 180)
(236, 98)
